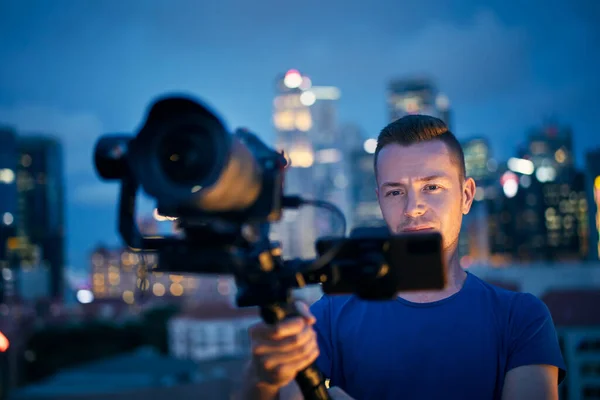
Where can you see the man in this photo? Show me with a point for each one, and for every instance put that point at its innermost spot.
(470, 340)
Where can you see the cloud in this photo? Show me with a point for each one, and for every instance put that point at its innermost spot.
(481, 56)
(77, 131)
(478, 58)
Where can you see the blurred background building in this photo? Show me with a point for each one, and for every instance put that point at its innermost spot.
(32, 248)
(41, 202)
(8, 209)
(592, 184)
(417, 95)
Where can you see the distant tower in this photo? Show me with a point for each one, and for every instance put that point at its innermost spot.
(592, 184)
(41, 222)
(8, 210)
(417, 96)
(305, 121)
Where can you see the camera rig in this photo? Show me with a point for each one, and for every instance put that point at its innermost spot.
(225, 190)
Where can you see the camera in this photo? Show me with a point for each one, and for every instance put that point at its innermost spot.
(185, 158)
(225, 189)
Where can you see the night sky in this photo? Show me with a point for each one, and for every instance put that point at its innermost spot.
(78, 68)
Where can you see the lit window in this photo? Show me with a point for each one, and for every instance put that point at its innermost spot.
(411, 105)
(560, 156)
(7, 218)
(301, 158)
(308, 98)
(370, 145)
(114, 278)
(128, 297)
(158, 289)
(176, 289)
(223, 287)
(284, 120)
(26, 160)
(303, 121)
(7, 175)
(327, 156)
(292, 79)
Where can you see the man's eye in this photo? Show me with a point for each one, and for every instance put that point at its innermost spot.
(394, 193)
(432, 188)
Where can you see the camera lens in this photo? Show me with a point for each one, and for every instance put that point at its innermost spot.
(188, 155)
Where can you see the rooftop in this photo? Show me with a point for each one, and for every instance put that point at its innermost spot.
(141, 373)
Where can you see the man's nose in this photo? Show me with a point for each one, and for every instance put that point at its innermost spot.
(414, 207)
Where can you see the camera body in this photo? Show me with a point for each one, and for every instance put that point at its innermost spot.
(185, 158)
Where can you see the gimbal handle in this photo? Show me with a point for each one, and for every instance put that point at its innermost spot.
(310, 379)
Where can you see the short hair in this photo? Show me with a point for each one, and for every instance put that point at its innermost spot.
(417, 128)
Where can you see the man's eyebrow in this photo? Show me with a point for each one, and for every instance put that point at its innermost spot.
(417, 180)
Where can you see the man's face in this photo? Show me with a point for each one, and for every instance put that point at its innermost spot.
(418, 188)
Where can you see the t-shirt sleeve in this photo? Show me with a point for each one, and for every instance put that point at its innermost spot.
(321, 310)
(532, 336)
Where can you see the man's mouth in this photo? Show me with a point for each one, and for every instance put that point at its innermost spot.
(418, 228)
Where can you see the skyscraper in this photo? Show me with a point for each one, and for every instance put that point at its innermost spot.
(479, 163)
(542, 213)
(475, 235)
(417, 96)
(365, 207)
(329, 170)
(592, 183)
(40, 227)
(8, 208)
(8, 188)
(305, 120)
(550, 149)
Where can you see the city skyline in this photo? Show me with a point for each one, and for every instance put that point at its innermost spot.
(514, 75)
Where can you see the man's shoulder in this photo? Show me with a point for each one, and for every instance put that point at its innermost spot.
(516, 305)
(330, 308)
(498, 294)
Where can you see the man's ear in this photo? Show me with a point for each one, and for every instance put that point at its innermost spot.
(469, 189)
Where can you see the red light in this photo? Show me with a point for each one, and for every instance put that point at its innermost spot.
(507, 176)
(292, 72)
(4, 343)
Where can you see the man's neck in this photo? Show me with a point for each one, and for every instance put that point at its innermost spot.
(455, 279)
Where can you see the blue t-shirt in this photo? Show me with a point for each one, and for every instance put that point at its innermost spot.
(460, 347)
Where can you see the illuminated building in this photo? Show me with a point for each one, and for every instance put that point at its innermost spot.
(540, 221)
(292, 120)
(542, 214)
(305, 121)
(365, 207)
(210, 332)
(119, 274)
(479, 163)
(550, 149)
(40, 223)
(330, 172)
(475, 232)
(516, 223)
(592, 183)
(8, 206)
(417, 96)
